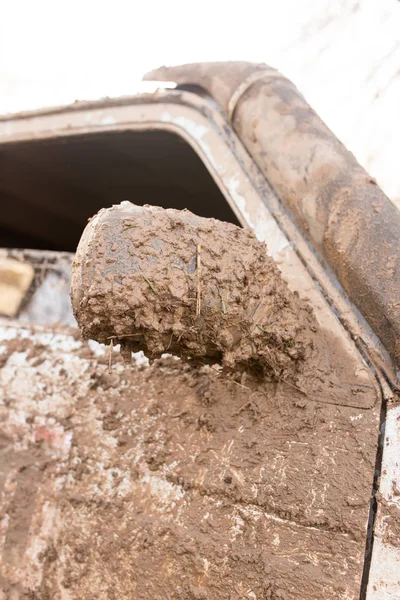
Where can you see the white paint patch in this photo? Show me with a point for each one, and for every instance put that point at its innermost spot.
(355, 417)
(391, 457)
(108, 121)
(166, 117)
(98, 349)
(233, 185)
(160, 488)
(196, 130)
(277, 540)
(267, 230)
(384, 576)
(237, 526)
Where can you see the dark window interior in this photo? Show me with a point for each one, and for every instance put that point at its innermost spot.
(48, 189)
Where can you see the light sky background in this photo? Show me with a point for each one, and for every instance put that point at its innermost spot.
(343, 55)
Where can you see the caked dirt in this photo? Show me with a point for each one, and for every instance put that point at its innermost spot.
(176, 481)
(169, 281)
(162, 281)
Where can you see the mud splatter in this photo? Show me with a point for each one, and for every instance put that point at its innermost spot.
(174, 481)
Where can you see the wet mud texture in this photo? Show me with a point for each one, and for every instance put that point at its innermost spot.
(174, 482)
(169, 281)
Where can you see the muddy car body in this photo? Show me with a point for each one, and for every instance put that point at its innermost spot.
(318, 503)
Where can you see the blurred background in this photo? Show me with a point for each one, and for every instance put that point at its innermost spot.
(344, 56)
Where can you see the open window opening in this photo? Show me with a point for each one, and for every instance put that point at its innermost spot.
(49, 188)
